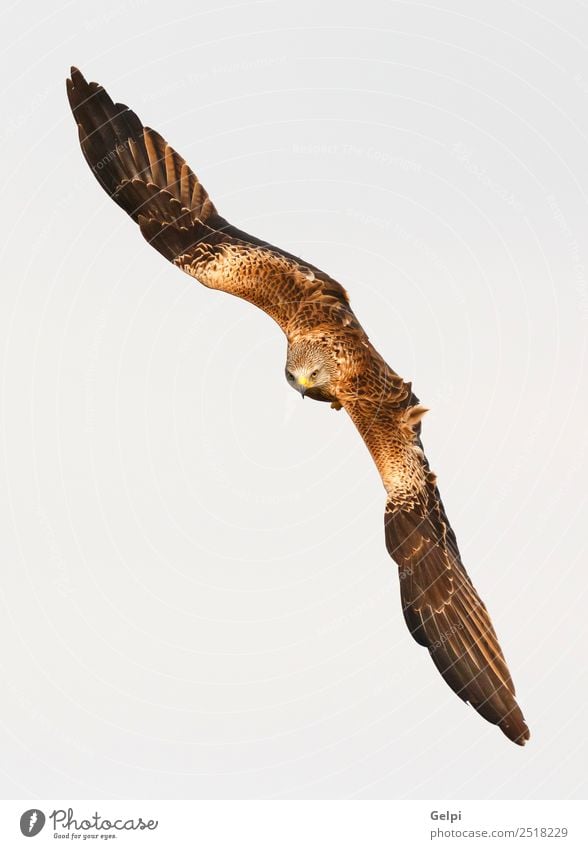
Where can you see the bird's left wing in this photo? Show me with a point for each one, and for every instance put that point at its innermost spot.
(161, 193)
(441, 606)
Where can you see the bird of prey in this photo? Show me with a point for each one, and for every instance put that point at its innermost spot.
(329, 358)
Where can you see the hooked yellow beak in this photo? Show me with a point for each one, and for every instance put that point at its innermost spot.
(303, 383)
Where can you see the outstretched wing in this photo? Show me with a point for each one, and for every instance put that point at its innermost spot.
(158, 189)
(441, 606)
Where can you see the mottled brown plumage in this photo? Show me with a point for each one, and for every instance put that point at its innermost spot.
(330, 358)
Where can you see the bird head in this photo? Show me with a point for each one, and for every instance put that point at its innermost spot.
(309, 367)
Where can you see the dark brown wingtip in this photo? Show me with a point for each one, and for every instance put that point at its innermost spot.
(75, 84)
(516, 729)
(76, 76)
(79, 87)
(521, 740)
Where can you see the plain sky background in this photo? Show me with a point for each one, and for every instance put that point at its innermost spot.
(196, 600)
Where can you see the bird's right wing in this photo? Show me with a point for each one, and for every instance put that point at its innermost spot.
(159, 190)
(441, 606)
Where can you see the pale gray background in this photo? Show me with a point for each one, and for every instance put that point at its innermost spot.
(196, 599)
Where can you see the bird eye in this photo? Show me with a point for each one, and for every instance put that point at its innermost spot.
(289, 375)
(314, 373)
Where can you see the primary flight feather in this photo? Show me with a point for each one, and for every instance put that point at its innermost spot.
(329, 358)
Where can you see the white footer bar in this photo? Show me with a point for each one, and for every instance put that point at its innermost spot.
(293, 824)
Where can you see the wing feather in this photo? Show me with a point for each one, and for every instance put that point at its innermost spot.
(158, 189)
(441, 607)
